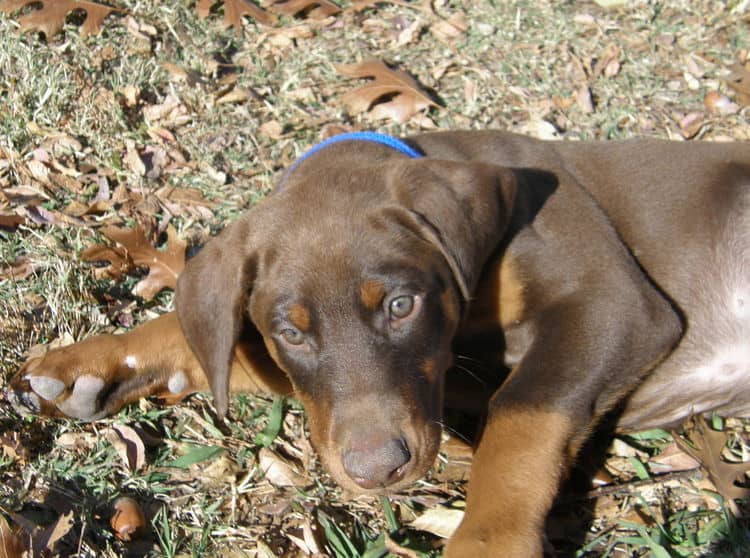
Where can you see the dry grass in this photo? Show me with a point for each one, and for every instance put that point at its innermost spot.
(520, 64)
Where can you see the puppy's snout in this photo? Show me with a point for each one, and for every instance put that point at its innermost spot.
(376, 461)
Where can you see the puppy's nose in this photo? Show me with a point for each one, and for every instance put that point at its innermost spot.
(376, 462)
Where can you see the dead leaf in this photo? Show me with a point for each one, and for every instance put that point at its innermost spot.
(134, 249)
(672, 458)
(691, 124)
(439, 521)
(49, 536)
(128, 519)
(271, 129)
(314, 9)
(164, 266)
(50, 18)
(739, 81)
(18, 269)
(11, 220)
(391, 94)
(450, 29)
(279, 471)
(609, 62)
(11, 543)
(706, 446)
(128, 444)
(234, 11)
(719, 104)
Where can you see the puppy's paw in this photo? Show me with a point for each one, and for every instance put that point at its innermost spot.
(57, 385)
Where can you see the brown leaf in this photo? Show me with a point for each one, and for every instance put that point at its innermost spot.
(50, 18)
(11, 220)
(279, 471)
(127, 520)
(164, 266)
(18, 269)
(11, 543)
(706, 446)
(739, 80)
(129, 445)
(314, 9)
(609, 62)
(391, 93)
(234, 10)
(118, 259)
(49, 536)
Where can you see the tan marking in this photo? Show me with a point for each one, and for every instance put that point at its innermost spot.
(300, 317)
(449, 305)
(371, 292)
(511, 292)
(429, 369)
(271, 346)
(507, 511)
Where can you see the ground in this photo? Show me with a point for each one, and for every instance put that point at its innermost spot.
(170, 121)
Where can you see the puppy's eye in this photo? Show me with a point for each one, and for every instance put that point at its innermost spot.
(401, 307)
(293, 336)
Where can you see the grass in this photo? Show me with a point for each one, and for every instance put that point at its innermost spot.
(520, 62)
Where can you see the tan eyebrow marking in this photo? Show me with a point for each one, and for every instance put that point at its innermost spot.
(371, 293)
(300, 317)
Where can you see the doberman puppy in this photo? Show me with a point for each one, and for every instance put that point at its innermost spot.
(603, 278)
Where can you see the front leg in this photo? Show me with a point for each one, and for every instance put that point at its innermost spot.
(99, 375)
(583, 360)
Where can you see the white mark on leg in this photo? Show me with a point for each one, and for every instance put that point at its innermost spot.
(45, 387)
(131, 362)
(177, 382)
(82, 403)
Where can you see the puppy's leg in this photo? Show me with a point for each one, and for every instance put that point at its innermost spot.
(96, 377)
(585, 359)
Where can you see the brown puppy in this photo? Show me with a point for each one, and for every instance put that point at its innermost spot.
(605, 277)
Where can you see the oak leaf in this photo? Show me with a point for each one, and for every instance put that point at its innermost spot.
(706, 446)
(50, 18)
(132, 249)
(234, 10)
(391, 94)
(739, 80)
(315, 9)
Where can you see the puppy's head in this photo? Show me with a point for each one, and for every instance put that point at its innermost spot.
(356, 277)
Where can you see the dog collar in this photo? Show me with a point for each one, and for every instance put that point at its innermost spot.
(371, 137)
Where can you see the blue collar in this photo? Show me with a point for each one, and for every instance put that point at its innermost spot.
(372, 137)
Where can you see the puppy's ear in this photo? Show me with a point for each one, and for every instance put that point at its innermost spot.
(463, 208)
(210, 300)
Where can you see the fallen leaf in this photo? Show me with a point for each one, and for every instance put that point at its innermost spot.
(164, 265)
(314, 9)
(18, 269)
(706, 446)
(50, 18)
(234, 11)
(280, 471)
(439, 521)
(672, 458)
(450, 29)
(719, 104)
(391, 94)
(609, 62)
(128, 444)
(691, 124)
(11, 220)
(739, 81)
(11, 543)
(128, 519)
(47, 538)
